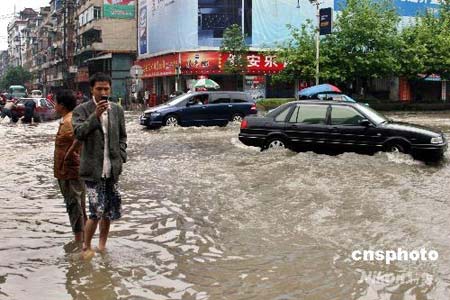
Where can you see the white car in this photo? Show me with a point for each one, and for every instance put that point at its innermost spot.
(36, 94)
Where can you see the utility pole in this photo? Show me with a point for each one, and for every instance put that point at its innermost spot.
(317, 4)
(317, 40)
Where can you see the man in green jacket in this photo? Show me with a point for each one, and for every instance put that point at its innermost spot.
(100, 125)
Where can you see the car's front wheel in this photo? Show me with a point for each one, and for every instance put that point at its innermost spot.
(396, 147)
(171, 121)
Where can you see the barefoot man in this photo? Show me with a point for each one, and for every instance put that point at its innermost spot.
(66, 164)
(100, 125)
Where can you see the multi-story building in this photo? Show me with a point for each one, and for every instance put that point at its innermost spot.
(40, 44)
(16, 39)
(105, 42)
(29, 37)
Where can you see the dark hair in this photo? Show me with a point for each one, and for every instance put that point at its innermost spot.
(67, 99)
(98, 77)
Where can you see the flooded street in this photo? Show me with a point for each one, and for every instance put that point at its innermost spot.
(206, 217)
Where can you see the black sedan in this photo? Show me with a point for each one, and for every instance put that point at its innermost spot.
(336, 127)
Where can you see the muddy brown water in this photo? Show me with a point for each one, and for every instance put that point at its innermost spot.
(206, 217)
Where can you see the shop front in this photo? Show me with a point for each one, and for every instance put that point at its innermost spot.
(168, 73)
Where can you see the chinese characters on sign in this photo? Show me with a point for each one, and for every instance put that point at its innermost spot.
(207, 62)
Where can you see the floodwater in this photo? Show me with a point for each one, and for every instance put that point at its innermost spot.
(206, 217)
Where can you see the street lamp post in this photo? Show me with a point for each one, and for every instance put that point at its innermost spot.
(317, 4)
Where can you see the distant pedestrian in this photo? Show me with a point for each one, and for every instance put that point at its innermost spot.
(67, 164)
(7, 111)
(100, 125)
(30, 107)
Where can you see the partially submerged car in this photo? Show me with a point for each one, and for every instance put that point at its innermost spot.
(200, 109)
(44, 111)
(337, 127)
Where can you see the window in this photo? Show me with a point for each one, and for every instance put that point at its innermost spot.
(341, 115)
(281, 117)
(238, 98)
(97, 12)
(220, 98)
(294, 116)
(312, 114)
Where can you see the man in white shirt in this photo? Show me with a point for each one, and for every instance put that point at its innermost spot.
(100, 125)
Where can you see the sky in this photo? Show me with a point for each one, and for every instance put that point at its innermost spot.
(7, 11)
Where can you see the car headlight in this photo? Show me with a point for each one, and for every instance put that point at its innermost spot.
(437, 140)
(155, 114)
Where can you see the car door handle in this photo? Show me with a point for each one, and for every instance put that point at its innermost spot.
(229, 105)
(334, 128)
(203, 107)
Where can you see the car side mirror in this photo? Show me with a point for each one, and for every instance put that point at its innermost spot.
(365, 123)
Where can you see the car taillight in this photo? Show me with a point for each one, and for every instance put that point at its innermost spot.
(253, 106)
(244, 124)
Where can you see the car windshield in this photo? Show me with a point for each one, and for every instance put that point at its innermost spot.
(177, 100)
(372, 114)
(17, 90)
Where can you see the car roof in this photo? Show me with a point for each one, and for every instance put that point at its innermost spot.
(325, 102)
(218, 92)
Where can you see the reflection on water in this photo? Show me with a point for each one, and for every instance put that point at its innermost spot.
(208, 218)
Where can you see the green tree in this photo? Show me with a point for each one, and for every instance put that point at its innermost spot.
(425, 45)
(233, 43)
(299, 55)
(15, 76)
(362, 45)
(364, 41)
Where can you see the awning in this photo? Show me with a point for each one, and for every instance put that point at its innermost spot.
(105, 56)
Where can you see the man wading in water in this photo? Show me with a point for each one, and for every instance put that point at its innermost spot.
(100, 125)
(67, 163)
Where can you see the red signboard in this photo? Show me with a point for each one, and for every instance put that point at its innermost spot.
(206, 62)
(258, 63)
(164, 65)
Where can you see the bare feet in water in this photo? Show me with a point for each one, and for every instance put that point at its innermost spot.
(87, 254)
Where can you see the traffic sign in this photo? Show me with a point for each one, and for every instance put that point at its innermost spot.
(136, 71)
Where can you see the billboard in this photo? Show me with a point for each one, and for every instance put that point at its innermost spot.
(214, 16)
(118, 9)
(405, 8)
(271, 17)
(186, 25)
(171, 25)
(142, 27)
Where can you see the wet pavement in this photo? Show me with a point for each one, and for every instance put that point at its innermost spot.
(206, 217)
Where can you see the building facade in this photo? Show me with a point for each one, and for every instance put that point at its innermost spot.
(105, 40)
(16, 38)
(69, 40)
(178, 42)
